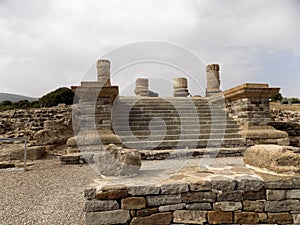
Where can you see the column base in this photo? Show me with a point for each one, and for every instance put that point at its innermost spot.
(263, 135)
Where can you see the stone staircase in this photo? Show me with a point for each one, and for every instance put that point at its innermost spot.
(154, 123)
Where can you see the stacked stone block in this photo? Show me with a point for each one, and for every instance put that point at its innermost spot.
(213, 79)
(220, 201)
(103, 71)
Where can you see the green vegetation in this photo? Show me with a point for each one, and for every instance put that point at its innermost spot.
(277, 97)
(60, 95)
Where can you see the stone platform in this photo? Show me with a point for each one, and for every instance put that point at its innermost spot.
(195, 191)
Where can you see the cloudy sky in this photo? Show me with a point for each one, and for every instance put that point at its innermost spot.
(48, 44)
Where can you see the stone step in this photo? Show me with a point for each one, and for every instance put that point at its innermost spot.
(181, 137)
(191, 113)
(182, 128)
(177, 120)
(176, 132)
(188, 143)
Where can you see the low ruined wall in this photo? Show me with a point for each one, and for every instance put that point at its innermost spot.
(212, 202)
(26, 122)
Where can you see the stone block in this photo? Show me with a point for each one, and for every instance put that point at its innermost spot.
(199, 206)
(174, 188)
(246, 218)
(200, 197)
(253, 206)
(282, 206)
(133, 203)
(146, 212)
(227, 206)
(254, 195)
(107, 217)
(275, 195)
(279, 184)
(168, 208)
(280, 218)
(294, 194)
(100, 205)
(158, 200)
(200, 186)
(250, 184)
(219, 217)
(111, 194)
(235, 196)
(143, 190)
(276, 158)
(224, 185)
(189, 217)
(155, 219)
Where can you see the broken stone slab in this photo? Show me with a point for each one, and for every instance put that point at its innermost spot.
(280, 159)
(117, 161)
(16, 152)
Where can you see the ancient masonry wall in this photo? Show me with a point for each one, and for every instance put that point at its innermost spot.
(209, 202)
(256, 110)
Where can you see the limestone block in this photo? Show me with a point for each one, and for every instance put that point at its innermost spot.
(133, 203)
(280, 218)
(275, 195)
(194, 197)
(199, 206)
(273, 157)
(168, 208)
(282, 206)
(296, 218)
(143, 190)
(146, 212)
(219, 217)
(158, 200)
(174, 188)
(224, 185)
(235, 196)
(253, 206)
(16, 152)
(116, 161)
(190, 217)
(293, 194)
(246, 218)
(158, 218)
(98, 205)
(227, 206)
(111, 194)
(200, 186)
(281, 183)
(107, 217)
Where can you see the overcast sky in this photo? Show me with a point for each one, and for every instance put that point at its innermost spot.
(48, 44)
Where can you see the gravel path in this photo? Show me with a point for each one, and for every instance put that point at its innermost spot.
(46, 194)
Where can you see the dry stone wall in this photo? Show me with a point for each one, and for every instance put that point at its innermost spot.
(209, 202)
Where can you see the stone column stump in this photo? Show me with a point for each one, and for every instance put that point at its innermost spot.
(213, 79)
(180, 87)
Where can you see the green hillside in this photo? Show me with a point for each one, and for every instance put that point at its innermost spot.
(15, 98)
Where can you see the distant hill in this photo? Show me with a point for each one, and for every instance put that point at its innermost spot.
(15, 98)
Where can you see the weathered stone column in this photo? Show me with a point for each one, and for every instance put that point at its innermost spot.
(142, 87)
(96, 100)
(180, 87)
(103, 70)
(249, 105)
(213, 79)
